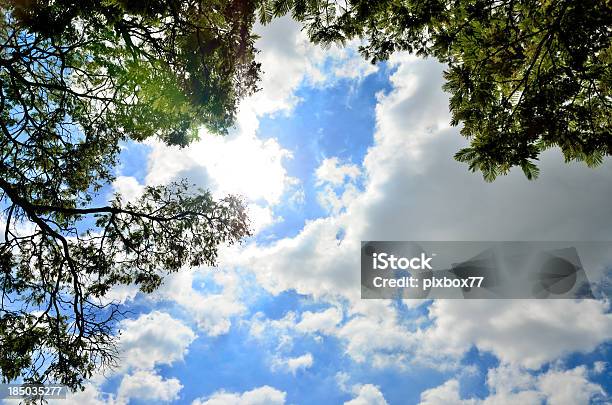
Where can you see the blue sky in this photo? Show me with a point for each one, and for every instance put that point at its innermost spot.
(331, 152)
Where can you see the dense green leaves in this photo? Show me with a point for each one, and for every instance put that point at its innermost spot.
(199, 54)
(76, 80)
(523, 75)
(527, 78)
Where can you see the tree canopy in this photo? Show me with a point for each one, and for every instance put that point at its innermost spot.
(523, 75)
(78, 78)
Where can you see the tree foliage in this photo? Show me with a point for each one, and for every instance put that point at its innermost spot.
(523, 75)
(76, 80)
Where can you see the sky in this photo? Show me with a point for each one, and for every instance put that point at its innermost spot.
(331, 152)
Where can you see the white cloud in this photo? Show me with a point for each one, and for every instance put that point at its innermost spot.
(342, 378)
(18, 227)
(529, 333)
(348, 63)
(278, 335)
(374, 334)
(569, 387)
(90, 395)
(367, 394)
(121, 293)
(129, 188)
(414, 190)
(297, 199)
(261, 217)
(324, 321)
(334, 201)
(261, 326)
(599, 367)
(507, 379)
(310, 263)
(380, 340)
(213, 312)
(151, 339)
(142, 384)
(293, 364)
(509, 385)
(335, 173)
(447, 393)
(287, 60)
(338, 184)
(265, 395)
(285, 40)
(147, 385)
(239, 163)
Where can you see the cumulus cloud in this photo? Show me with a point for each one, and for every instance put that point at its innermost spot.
(310, 263)
(302, 63)
(152, 339)
(529, 333)
(293, 364)
(236, 164)
(323, 321)
(338, 183)
(412, 190)
(283, 40)
(599, 367)
(128, 187)
(242, 162)
(334, 201)
(90, 395)
(569, 387)
(415, 190)
(144, 385)
(145, 342)
(509, 385)
(379, 340)
(342, 378)
(260, 326)
(212, 311)
(149, 386)
(239, 164)
(347, 63)
(332, 171)
(447, 393)
(265, 395)
(367, 394)
(373, 334)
